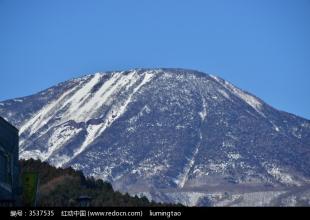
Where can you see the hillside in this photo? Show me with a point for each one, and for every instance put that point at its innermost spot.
(61, 187)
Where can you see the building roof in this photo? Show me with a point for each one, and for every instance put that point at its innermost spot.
(9, 124)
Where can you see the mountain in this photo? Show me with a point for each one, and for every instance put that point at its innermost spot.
(173, 135)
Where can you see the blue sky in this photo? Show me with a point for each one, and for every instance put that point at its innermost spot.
(262, 46)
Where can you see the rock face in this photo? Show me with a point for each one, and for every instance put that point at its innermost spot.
(174, 135)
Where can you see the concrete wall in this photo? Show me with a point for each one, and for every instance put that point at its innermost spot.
(9, 146)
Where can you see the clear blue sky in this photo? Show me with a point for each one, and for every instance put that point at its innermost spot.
(262, 46)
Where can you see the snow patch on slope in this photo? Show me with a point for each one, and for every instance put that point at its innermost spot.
(280, 175)
(203, 113)
(116, 111)
(183, 177)
(187, 198)
(60, 137)
(41, 117)
(79, 109)
(250, 100)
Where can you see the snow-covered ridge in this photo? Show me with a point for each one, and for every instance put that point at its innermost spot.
(95, 130)
(80, 104)
(250, 100)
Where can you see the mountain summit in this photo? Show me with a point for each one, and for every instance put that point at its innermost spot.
(173, 135)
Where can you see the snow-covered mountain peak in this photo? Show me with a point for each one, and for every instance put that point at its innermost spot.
(149, 130)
